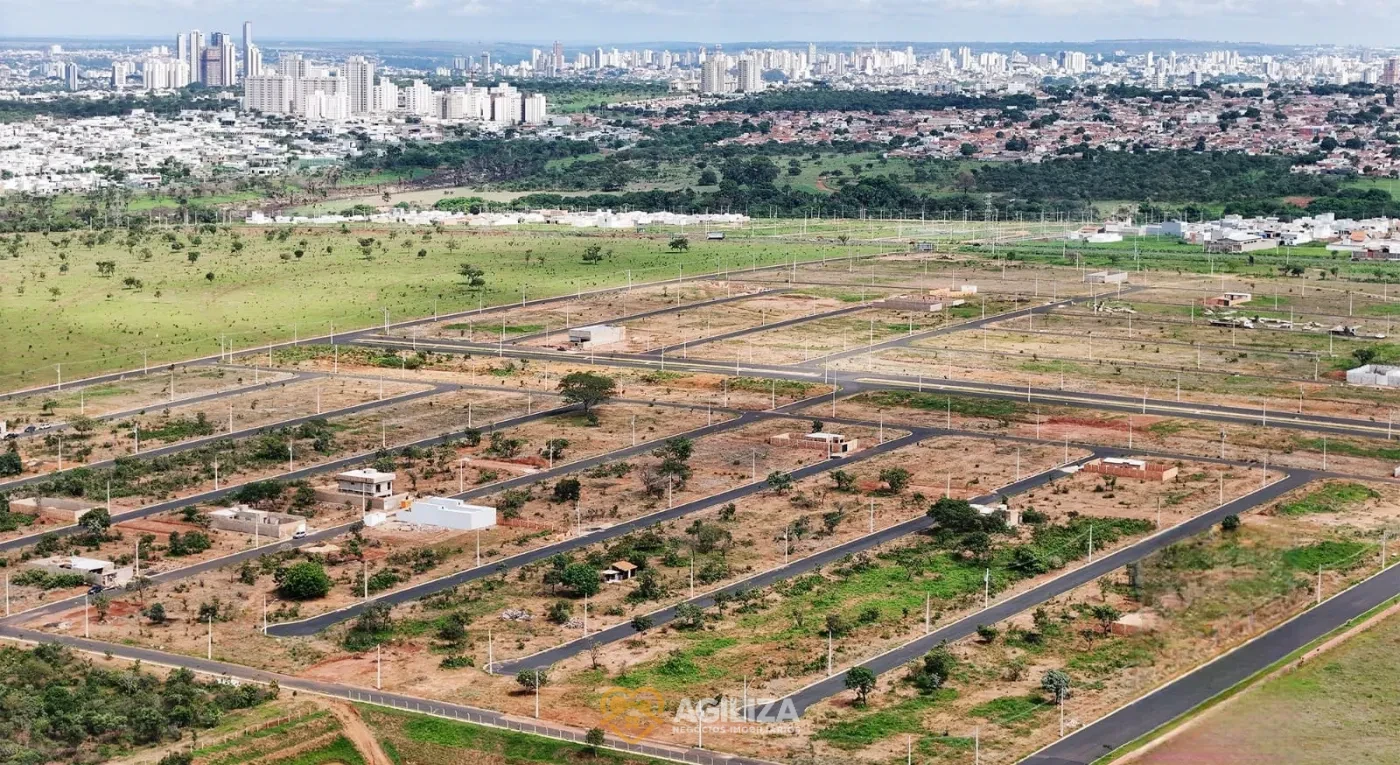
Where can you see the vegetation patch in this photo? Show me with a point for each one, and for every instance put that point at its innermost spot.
(1333, 497)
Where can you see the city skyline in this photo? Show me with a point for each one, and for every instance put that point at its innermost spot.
(638, 21)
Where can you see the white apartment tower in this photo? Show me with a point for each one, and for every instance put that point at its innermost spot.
(248, 69)
(193, 47)
(359, 72)
(269, 94)
(712, 74)
(535, 109)
(750, 79)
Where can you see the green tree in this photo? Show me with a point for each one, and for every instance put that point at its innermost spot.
(587, 388)
(1056, 682)
(593, 254)
(595, 737)
(897, 478)
(862, 681)
(679, 244)
(306, 580)
(96, 521)
(1230, 523)
(779, 481)
(532, 679)
(581, 578)
(641, 623)
(475, 277)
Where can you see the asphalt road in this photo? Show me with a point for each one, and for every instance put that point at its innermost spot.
(1004, 609)
(1175, 699)
(320, 622)
(816, 560)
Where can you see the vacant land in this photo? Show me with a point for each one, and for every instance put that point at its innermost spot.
(95, 302)
(1338, 707)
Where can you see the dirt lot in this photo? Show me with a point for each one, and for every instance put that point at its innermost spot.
(1181, 593)
(265, 405)
(134, 391)
(802, 342)
(674, 328)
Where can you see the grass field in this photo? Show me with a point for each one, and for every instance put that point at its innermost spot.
(58, 309)
(1339, 707)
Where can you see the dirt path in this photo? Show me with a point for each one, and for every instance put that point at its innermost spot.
(359, 734)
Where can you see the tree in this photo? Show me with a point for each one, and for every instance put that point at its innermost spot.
(844, 481)
(156, 612)
(933, 670)
(581, 578)
(689, 617)
(679, 244)
(595, 737)
(1105, 615)
(707, 178)
(1364, 355)
(587, 388)
(862, 681)
(593, 254)
(476, 278)
(96, 521)
(897, 478)
(532, 679)
(566, 490)
(779, 481)
(10, 462)
(306, 580)
(1056, 682)
(967, 149)
(560, 612)
(987, 633)
(641, 623)
(1230, 523)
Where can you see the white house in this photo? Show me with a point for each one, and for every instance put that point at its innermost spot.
(449, 513)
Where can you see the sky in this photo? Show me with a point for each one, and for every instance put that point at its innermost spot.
(583, 22)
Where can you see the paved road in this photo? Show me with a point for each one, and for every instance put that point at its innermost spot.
(624, 630)
(320, 622)
(1175, 699)
(1088, 572)
(342, 691)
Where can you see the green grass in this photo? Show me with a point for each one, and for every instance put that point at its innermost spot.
(1333, 497)
(867, 728)
(681, 668)
(511, 746)
(1326, 554)
(339, 751)
(96, 324)
(993, 409)
(1009, 710)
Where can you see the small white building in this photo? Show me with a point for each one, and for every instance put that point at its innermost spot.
(832, 443)
(1106, 277)
(258, 523)
(596, 334)
(365, 482)
(1374, 374)
(448, 513)
(94, 570)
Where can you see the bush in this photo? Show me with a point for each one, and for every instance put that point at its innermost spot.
(306, 580)
(1230, 523)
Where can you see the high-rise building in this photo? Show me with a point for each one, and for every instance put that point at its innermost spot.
(486, 62)
(269, 94)
(536, 110)
(71, 73)
(359, 74)
(386, 97)
(159, 73)
(556, 60)
(750, 79)
(305, 91)
(1390, 75)
(182, 47)
(712, 74)
(248, 70)
(253, 65)
(194, 47)
(292, 65)
(120, 71)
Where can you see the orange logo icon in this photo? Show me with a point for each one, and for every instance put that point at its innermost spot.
(632, 714)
